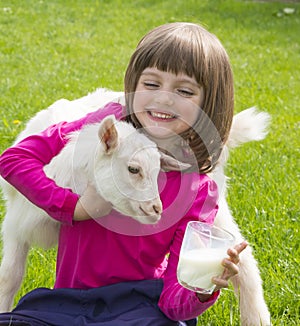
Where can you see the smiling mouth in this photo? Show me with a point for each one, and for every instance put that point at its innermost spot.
(161, 115)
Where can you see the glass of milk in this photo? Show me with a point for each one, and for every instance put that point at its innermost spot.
(203, 248)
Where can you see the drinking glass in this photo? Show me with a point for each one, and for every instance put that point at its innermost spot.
(203, 248)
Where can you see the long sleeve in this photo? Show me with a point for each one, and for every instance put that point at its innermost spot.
(23, 165)
(175, 301)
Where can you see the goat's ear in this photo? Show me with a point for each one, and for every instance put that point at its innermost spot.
(170, 163)
(108, 134)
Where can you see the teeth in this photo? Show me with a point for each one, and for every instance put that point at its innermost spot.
(162, 115)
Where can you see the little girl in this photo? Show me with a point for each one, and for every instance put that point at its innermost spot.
(179, 91)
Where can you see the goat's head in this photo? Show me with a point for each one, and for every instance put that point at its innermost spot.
(127, 169)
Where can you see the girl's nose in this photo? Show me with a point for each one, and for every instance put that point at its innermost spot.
(164, 97)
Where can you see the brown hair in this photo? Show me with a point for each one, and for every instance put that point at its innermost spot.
(190, 49)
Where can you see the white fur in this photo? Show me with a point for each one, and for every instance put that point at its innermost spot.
(247, 125)
(99, 155)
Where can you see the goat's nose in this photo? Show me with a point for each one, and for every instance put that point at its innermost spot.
(157, 209)
(153, 207)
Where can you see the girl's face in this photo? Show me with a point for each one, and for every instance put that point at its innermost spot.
(166, 104)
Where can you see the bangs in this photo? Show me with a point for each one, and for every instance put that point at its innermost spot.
(174, 53)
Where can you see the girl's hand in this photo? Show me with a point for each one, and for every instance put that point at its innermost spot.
(91, 205)
(231, 266)
(231, 269)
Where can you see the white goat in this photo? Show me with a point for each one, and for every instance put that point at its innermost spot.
(247, 125)
(105, 155)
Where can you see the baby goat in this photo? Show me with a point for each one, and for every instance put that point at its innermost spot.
(109, 153)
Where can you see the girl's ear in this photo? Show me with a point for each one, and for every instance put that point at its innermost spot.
(170, 163)
(108, 134)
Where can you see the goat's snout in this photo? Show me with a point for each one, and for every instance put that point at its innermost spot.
(157, 209)
(151, 211)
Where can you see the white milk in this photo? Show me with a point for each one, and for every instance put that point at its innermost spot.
(197, 267)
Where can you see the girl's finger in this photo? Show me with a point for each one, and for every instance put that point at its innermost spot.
(234, 252)
(241, 246)
(231, 268)
(234, 255)
(220, 283)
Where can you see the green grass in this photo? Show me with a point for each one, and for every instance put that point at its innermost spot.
(65, 49)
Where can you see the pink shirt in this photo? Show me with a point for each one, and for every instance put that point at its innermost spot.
(114, 248)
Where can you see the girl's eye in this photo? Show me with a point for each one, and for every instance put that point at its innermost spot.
(185, 92)
(151, 85)
(133, 169)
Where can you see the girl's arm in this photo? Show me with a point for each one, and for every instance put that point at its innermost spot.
(175, 301)
(23, 165)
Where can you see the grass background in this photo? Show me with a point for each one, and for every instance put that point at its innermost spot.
(65, 49)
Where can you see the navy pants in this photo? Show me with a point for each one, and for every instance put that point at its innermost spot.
(128, 304)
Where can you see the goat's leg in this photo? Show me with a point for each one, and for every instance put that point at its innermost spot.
(11, 270)
(248, 287)
(248, 283)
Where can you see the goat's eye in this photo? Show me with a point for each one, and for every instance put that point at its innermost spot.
(133, 169)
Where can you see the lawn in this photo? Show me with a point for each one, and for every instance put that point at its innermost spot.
(65, 49)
